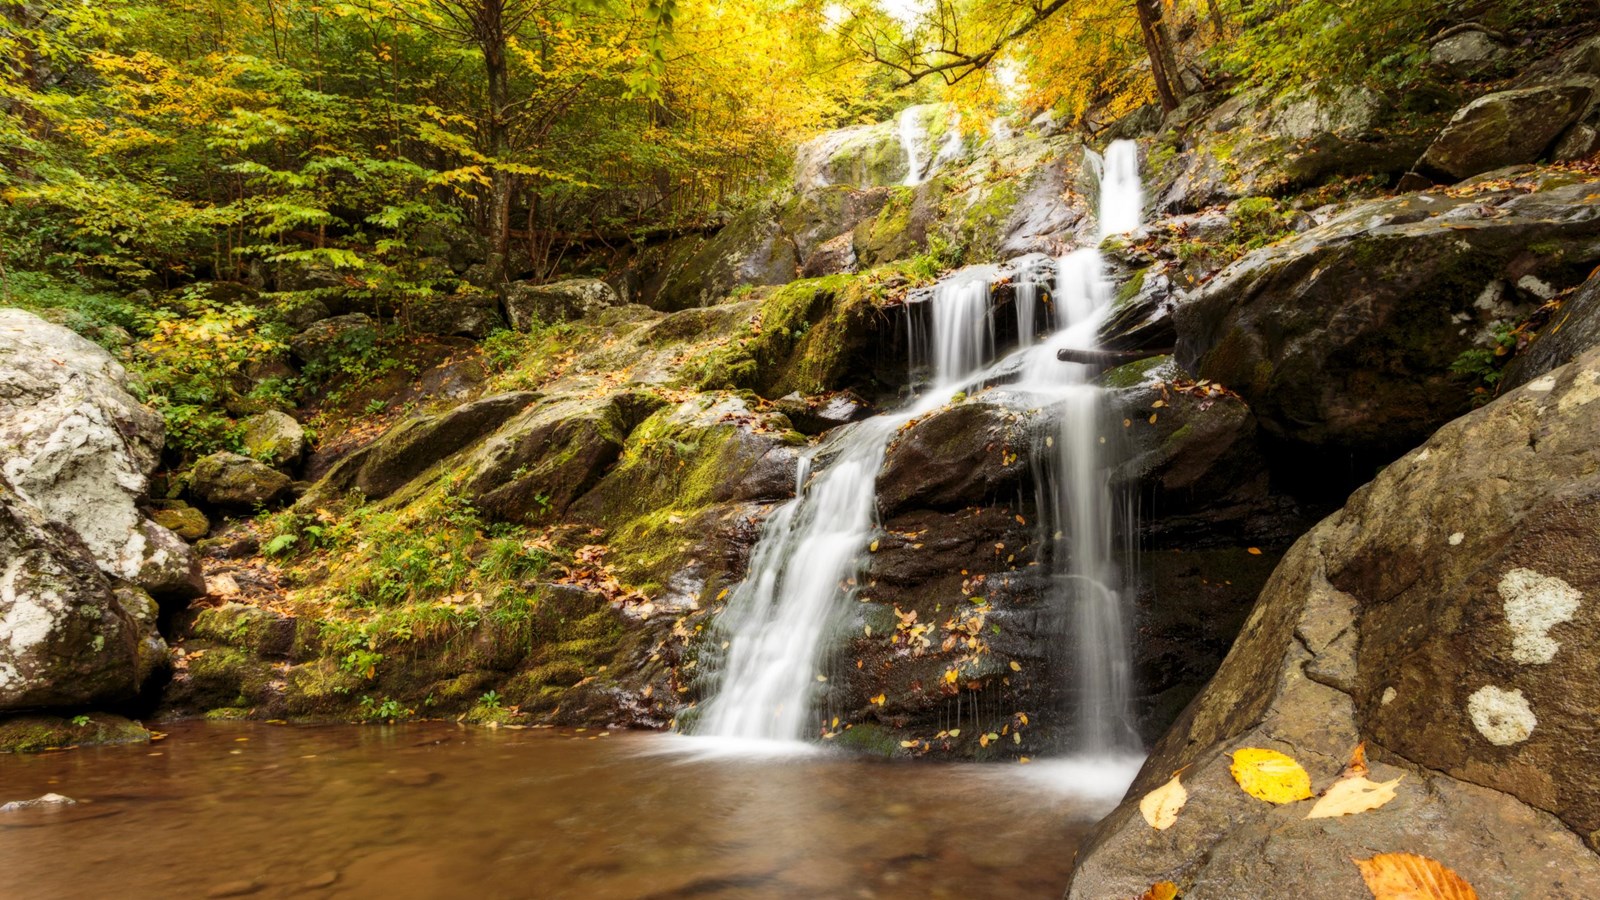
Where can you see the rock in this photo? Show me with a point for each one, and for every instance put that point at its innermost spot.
(181, 519)
(1580, 142)
(1571, 330)
(862, 156)
(814, 415)
(818, 221)
(234, 888)
(1344, 338)
(151, 654)
(36, 733)
(831, 257)
(46, 800)
(529, 305)
(325, 341)
(1506, 128)
(1465, 53)
(267, 634)
(1445, 617)
(275, 438)
(969, 454)
(230, 480)
(79, 448)
(549, 454)
(302, 314)
(473, 313)
(1198, 470)
(751, 250)
(415, 444)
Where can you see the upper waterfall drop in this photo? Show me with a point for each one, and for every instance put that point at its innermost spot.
(911, 136)
(1121, 190)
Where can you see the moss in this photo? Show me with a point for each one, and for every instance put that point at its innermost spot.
(1133, 374)
(32, 734)
(227, 713)
(869, 739)
(1130, 288)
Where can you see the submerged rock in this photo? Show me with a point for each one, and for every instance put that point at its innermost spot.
(79, 448)
(36, 733)
(1444, 617)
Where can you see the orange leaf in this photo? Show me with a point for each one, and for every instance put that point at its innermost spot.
(1406, 876)
(1161, 890)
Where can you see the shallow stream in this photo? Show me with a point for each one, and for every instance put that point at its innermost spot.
(438, 810)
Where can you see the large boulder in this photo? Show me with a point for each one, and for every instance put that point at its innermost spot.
(236, 482)
(64, 638)
(1446, 618)
(969, 454)
(528, 305)
(414, 445)
(1506, 128)
(751, 250)
(550, 453)
(1465, 52)
(76, 445)
(1351, 337)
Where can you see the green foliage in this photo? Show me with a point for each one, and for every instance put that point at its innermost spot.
(1482, 366)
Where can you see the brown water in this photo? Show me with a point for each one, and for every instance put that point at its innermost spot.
(436, 810)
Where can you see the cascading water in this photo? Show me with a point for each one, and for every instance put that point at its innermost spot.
(911, 135)
(804, 568)
(802, 572)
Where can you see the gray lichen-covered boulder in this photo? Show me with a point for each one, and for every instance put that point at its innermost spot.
(1447, 617)
(65, 640)
(1350, 336)
(528, 305)
(76, 445)
(1506, 128)
(233, 481)
(275, 438)
(1465, 52)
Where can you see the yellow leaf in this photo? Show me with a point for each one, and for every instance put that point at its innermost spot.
(872, 547)
(1016, 666)
(1349, 796)
(1160, 806)
(955, 732)
(1161, 890)
(878, 700)
(950, 676)
(1269, 775)
(1406, 876)
(908, 743)
(1153, 418)
(1024, 760)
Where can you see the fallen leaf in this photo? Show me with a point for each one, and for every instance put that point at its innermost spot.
(1016, 666)
(1269, 775)
(1349, 796)
(1253, 551)
(1353, 793)
(1161, 890)
(1160, 806)
(1406, 876)
(878, 700)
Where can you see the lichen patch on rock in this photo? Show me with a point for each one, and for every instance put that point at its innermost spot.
(1502, 717)
(1534, 604)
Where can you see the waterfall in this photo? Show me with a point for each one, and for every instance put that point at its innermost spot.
(803, 570)
(911, 135)
(766, 654)
(1121, 192)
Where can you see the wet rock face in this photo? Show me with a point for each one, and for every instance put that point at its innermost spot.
(78, 447)
(1347, 337)
(1507, 128)
(1444, 616)
(968, 454)
(64, 638)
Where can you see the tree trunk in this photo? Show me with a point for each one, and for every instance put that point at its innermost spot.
(1157, 43)
(492, 41)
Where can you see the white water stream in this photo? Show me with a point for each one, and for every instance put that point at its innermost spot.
(803, 570)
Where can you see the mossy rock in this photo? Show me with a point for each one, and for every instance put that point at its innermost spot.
(234, 481)
(181, 519)
(868, 739)
(32, 734)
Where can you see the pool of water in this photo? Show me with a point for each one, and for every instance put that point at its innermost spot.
(438, 810)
